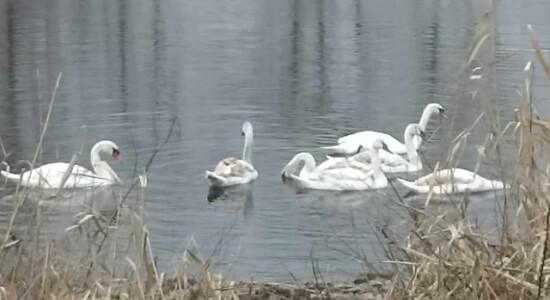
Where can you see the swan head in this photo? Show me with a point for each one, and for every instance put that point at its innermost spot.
(415, 130)
(247, 128)
(106, 147)
(436, 108)
(380, 144)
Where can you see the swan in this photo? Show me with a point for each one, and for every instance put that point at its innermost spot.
(302, 170)
(348, 144)
(453, 180)
(232, 171)
(51, 176)
(391, 163)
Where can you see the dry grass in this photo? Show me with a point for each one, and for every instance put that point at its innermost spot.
(450, 258)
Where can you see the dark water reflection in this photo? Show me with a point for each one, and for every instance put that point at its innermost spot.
(303, 72)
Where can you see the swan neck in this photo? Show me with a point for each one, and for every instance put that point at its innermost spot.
(425, 118)
(94, 156)
(377, 165)
(309, 165)
(293, 166)
(411, 150)
(247, 151)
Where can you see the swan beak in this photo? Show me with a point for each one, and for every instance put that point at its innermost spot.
(442, 114)
(116, 155)
(385, 147)
(283, 177)
(422, 134)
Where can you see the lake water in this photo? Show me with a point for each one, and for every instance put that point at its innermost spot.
(302, 72)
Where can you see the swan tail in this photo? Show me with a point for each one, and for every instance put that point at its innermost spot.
(215, 180)
(342, 149)
(10, 176)
(408, 184)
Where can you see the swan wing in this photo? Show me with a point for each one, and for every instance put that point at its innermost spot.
(326, 183)
(447, 176)
(231, 171)
(224, 167)
(363, 137)
(104, 171)
(343, 174)
(52, 175)
(335, 162)
(392, 160)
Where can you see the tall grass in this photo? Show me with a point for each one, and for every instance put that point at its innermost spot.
(447, 257)
(100, 255)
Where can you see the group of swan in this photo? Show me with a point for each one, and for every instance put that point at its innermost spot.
(348, 144)
(335, 175)
(363, 170)
(369, 156)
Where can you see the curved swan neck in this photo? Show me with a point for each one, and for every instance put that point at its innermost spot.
(409, 144)
(294, 164)
(94, 155)
(99, 166)
(376, 165)
(247, 150)
(309, 165)
(425, 118)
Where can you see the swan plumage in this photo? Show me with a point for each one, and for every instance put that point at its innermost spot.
(391, 163)
(453, 180)
(305, 174)
(348, 144)
(50, 176)
(233, 171)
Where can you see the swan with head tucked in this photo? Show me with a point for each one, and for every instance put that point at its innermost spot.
(348, 144)
(391, 163)
(51, 176)
(302, 170)
(232, 171)
(453, 180)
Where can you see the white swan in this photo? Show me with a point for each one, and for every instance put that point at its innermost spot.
(391, 163)
(336, 179)
(452, 181)
(232, 171)
(51, 176)
(348, 144)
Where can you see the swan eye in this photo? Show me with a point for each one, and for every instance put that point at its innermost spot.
(116, 154)
(242, 132)
(422, 134)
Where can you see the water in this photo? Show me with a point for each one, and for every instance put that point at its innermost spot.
(303, 72)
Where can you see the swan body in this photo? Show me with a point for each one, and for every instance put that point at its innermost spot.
(348, 144)
(452, 181)
(391, 163)
(50, 176)
(233, 171)
(303, 171)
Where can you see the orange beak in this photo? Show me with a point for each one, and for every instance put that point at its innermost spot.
(116, 156)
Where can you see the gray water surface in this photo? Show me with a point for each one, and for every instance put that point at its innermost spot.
(302, 72)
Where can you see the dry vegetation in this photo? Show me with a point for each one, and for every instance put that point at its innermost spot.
(443, 257)
(450, 258)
